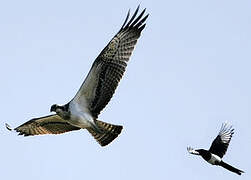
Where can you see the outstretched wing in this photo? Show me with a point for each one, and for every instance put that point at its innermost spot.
(221, 142)
(109, 66)
(52, 124)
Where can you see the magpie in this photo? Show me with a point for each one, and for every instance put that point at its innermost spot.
(95, 92)
(218, 149)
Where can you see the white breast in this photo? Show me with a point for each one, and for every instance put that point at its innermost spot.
(80, 115)
(214, 159)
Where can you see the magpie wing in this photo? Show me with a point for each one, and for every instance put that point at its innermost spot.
(221, 142)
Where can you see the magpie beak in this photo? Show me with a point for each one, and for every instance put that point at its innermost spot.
(192, 151)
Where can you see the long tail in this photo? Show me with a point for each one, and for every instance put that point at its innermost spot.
(105, 133)
(231, 168)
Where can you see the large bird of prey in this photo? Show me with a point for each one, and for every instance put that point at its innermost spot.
(95, 92)
(218, 149)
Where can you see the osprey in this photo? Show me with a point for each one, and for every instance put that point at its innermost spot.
(95, 92)
(218, 149)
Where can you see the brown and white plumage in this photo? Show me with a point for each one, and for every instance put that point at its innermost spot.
(52, 124)
(95, 92)
(110, 65)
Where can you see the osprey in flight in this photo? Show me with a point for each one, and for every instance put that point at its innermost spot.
(218, 149)
(95, 92)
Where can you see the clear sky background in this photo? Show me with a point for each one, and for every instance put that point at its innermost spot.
(190, 72)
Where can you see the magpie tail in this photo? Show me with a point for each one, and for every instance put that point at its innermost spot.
(231, 168)
(105, 133)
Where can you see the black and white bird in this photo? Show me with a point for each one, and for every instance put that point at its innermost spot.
(218, 149)
(95, 92)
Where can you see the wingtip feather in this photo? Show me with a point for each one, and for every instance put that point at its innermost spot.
(226, 127)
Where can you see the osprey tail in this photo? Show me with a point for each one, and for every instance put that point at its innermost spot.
(105, 132)
(231, 168)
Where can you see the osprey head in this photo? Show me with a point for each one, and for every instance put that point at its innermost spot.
(54, 107)
(62, 111)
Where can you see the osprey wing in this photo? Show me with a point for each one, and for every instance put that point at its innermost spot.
(52, 124)
(221, 142)
(109, 66)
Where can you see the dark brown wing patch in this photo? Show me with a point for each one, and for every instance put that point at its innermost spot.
(111, 74)
(112, 61)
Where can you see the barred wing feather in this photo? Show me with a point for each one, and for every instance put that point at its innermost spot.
(109, 67)
(52, 124)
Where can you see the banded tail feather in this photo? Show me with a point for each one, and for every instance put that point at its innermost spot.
(108, 132)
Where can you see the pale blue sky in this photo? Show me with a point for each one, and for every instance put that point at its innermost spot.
(190, 72)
